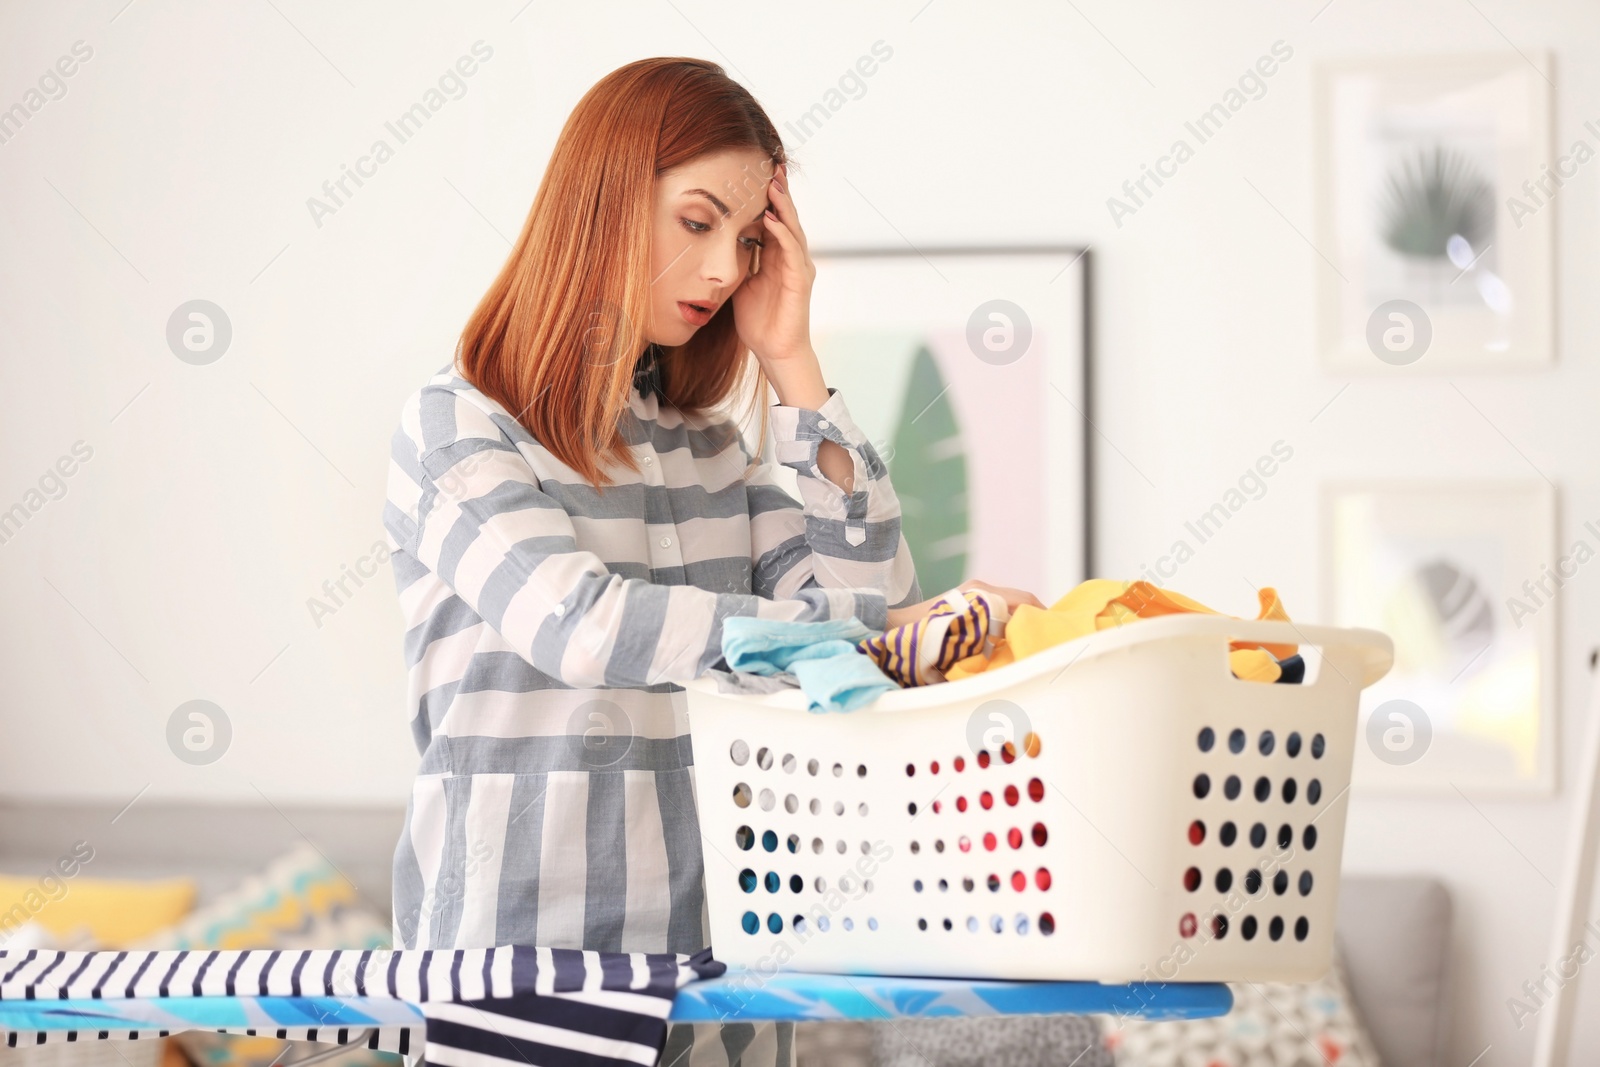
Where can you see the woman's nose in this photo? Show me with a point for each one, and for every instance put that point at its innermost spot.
(721, 265)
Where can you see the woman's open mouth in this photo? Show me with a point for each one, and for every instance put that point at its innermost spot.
(695, 314)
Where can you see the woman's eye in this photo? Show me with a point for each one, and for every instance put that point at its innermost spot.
(695, 227)
(753, 242)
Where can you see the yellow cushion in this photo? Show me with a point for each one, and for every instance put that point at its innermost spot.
(114, 912)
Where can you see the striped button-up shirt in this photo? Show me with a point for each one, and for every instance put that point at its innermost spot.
(546, 624)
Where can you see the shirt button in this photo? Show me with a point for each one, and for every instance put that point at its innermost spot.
(559, 609)
(666, 542)
(822, 424)
(648, 460)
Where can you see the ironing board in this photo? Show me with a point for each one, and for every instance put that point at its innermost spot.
(612, 1007)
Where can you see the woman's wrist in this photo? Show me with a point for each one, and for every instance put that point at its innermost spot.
(797, 380)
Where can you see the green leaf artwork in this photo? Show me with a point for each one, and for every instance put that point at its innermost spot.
(928, 467)
(1432, 196)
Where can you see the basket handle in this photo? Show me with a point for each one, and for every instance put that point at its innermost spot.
(1373, 649)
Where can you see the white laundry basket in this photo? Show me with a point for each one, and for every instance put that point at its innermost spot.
(1118, 808)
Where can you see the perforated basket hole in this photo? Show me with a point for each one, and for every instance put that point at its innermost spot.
(1228, 834)
(816, 845)
(838, 772)
(745, 838)
(739, 752)
(812, 766)
(1247, 928)
(741, 795)
(1206, 739)
(764, 758)
(1236, 741)
(1266, 743)
(815, 806)
(1231, 787)
(768, 798)
(1291, 744)
(791, 803)
(789, 763)
(793, 842)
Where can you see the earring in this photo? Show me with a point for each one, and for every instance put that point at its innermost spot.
(755, 261)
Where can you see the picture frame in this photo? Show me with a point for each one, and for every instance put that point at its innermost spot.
(1460, 575)
(1434, 219)
(969, 370)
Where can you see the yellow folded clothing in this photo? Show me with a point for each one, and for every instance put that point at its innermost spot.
(1101, 603)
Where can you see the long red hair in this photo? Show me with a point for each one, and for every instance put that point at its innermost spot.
(555, 338)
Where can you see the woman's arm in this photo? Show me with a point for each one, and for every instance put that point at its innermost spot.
(507, 549)
(844, 532)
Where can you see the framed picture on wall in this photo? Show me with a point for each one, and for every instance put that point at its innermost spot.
(968, 370)
(1435, 197)
(1466, 579)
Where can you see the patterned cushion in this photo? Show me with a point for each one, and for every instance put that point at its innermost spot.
(299, 901)
(1271, 1025)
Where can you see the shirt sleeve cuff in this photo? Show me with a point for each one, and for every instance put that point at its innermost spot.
(798, 434)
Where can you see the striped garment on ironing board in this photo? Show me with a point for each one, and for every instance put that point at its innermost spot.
(510, 1004)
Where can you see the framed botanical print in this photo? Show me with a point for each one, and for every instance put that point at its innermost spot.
(968, 370)
(1436, 189)
(1466, 579)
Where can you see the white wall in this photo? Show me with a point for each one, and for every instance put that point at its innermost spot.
(178, 164)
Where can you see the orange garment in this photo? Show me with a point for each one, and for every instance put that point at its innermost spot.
(1101, 603)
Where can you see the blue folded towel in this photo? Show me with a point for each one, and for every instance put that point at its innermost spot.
(822, 656)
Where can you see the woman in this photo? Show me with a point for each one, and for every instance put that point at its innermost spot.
(562, 567)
